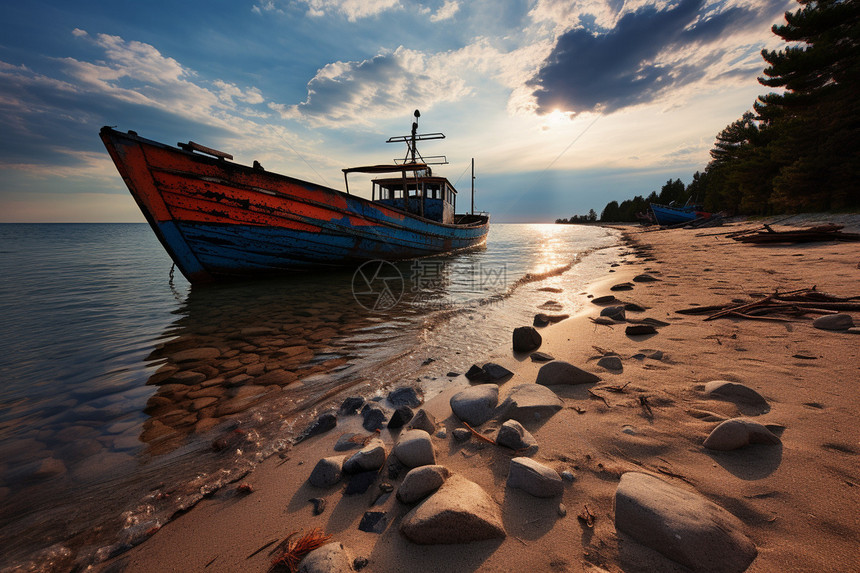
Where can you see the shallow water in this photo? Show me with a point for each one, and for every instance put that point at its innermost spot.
(116, 380)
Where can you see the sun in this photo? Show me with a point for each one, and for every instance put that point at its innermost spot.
(557, 118)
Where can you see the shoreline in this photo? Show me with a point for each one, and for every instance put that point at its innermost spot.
(791, 501)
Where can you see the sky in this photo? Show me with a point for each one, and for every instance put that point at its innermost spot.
(564, 105)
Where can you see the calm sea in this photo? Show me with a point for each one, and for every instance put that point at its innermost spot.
(126, 395)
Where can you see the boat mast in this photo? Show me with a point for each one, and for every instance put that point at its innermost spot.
(414, 132)
(473, 186)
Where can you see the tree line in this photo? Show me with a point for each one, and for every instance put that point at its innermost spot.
(798, 149)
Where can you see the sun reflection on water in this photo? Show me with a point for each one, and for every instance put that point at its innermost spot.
(554, 249)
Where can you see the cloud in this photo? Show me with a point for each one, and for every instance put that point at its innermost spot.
(132, 81)
(448, 9)
(352, 9)
(614, 58)
(390, 83)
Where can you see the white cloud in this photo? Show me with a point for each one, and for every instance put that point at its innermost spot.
(352, 9)
(446, 11)
(358, 92)
(229, 92)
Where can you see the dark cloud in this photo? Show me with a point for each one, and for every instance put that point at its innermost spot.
(621, 67)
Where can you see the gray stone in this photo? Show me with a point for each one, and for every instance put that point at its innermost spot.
(423, 420)
(414, 449)
(834, 322)
(534, 478)
(350, 405)
(373, 521)
(644, 278)
(370, 457)
(421, 482)
(681, 525)
(612, 363)
(475, 405)
(512, 435)
(327, 472)
(321, 425)
(461, 434)
(459, 512)
(621, 286)
(640, 330)
(405, 396)
(559, 372)
(737, 433)
(735, 392)
(614, 312)
(330, 558)
(374, 418)
(607, 299)
(526, 338)
(529, 403)
(496, 372)
(400, 416)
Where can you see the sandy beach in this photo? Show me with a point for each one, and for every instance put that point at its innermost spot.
(797, 500)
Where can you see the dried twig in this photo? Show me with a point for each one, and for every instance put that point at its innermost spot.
(479, 435)
(599, 397)
(616, 389)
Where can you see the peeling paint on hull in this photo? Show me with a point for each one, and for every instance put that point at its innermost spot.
(221, 220)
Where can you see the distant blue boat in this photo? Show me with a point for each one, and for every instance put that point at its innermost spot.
(670, 215)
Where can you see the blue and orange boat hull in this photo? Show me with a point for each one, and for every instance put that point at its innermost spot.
(220, 220)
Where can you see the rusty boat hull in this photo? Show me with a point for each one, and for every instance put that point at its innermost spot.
(220, 220)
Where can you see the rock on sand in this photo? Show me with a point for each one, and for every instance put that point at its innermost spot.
(534, 478)
(330, 558)
(530, 403)
(421, 482)
(475, 405)
(414, 449)
(834, 322)
(526, 338)
(560, 372)
(737, 433)
(459, 512)
(735, 392)
(681, 525)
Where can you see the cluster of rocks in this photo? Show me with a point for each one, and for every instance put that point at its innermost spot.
(615, 311)
(736, 433)
(444, 507)
(441, 506)
(207, 379)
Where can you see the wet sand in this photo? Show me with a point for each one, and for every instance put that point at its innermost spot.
(797, 500)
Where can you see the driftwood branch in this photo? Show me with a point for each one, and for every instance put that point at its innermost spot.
(792, 303)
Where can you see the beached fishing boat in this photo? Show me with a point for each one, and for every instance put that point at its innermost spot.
(671, 215)
(220, 220)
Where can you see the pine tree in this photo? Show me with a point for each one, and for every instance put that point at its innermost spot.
(814, 125)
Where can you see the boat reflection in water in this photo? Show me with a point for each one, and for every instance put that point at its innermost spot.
(277, 346)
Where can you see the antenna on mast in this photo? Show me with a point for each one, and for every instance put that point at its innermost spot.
(411, 141)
